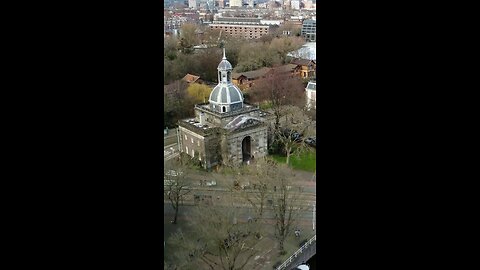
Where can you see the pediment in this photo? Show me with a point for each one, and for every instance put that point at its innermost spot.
(242, 122)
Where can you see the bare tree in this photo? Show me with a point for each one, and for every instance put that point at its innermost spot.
(176, 185)
(217, 240)
(261, 176)
(295, 124)
(188, 37)
(285, 207)
(177, 103)
(279, 89)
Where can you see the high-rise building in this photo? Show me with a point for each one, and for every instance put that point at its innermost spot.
(295, 4)
(311, 94)
(249, 28)
(221, 3)
(192, 4)
(235, 3)
(309, 30)
(250, 3)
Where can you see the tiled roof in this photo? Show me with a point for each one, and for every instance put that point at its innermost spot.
(255, 74)
(190, 78)
(301, 62)
(236, 75)
(286, 68)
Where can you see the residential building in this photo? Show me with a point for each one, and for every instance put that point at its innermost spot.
(249, 28)
(235, 3)
(309, 30)
(246, 79)
(295, 4)
(306, 68)
(311, 94)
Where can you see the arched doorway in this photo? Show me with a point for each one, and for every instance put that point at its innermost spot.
(247, 149)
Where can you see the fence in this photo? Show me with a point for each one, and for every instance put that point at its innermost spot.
(299, 251)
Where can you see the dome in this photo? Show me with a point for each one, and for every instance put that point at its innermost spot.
(224, 65)
(225, 97)
(226, 94)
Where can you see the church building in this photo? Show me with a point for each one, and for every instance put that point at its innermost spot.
(225, 129)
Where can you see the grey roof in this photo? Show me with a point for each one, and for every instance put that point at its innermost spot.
(224, 65)
(226, 93)
(239, 120)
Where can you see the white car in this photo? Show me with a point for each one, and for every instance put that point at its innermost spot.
(167, 182)
(173, 173)
(211, 183)
(302, 267)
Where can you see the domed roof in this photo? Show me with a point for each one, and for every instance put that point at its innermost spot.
(226, 94)
(224, 65)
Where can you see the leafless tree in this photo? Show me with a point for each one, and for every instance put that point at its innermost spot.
(261, 176)
(219, 242)
(285, 207)
(176, 185)
(295, 124)
(279, 89)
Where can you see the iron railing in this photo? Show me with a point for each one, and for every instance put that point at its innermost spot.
(299, 251)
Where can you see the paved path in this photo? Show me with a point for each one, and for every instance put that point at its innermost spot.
(170, 151)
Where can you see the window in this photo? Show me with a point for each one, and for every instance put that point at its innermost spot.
(223, 109)
(186, 137)
(186, 148)
(198, 143)
(191, 140)
(193, 153)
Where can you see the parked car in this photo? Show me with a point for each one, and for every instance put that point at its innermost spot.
(294, 135)
(311, 141)
(167, 182)
(211, 183)
(302, 267)
(173, 173)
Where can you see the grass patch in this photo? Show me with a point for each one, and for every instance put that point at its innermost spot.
(266, 105)
(305, 161)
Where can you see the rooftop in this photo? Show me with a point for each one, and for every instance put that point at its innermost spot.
(307, 51)
(254, 74)
(190, 78)
(312, 86)
(302, 62)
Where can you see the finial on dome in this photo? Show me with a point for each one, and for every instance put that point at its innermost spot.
(224, 57)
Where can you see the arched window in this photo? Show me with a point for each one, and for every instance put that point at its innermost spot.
(224, 77)
(224, 109)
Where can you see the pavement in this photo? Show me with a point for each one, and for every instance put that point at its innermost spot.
(170, 151)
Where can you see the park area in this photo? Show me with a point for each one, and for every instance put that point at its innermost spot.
(305, 161)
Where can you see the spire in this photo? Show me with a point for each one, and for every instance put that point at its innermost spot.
(224, 58)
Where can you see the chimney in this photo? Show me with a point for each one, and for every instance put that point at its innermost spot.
(202, 118)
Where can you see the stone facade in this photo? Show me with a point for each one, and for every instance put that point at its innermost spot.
(236, 134)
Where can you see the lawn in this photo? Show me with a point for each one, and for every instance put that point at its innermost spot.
(305, 161)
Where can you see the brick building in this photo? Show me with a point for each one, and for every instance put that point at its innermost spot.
(249, 28)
